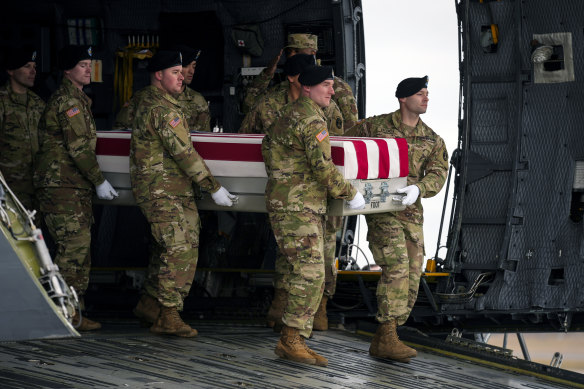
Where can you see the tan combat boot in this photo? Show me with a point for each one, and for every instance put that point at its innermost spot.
(81, 323)
(291, 346)
(170, 323)
(147, 309)
(276, 311)
(320, 360)
(386, 344)
(320, 318)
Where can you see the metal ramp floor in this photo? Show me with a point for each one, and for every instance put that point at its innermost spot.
(125, 355)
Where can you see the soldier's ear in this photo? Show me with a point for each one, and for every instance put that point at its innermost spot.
(158, 75)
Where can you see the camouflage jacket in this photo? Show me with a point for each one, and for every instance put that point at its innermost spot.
(268, 109)
(428, 157)
(195, 109)
(163, 162)
(343, 96)
(19, 119)
(126, 114)
(297, 155)
(67, 139)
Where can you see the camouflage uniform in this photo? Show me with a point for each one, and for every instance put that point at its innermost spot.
(343, 96)
(66, 171)
(396, 238)
(196, 110)
(126, 114)
(301, 176)
(163, 166)
(268, 109)
(257, 121)
(19, 118)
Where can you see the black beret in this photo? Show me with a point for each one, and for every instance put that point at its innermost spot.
(188, 53)
(70, 55)
(314, 75)
(297, 63)
(411, 86)
(164, 59)
(18, 57)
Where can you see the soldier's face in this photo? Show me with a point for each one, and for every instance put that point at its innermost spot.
(416, 103)
(80, 75)
(25, 75)
(171, 79)
(322, 93)
(188, 72)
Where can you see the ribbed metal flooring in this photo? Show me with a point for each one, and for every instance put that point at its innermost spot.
(124, 355)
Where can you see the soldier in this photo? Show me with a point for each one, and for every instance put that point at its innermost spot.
(66, 171)
(301, 176)
(193, 104)
(396, 238)
(20, 112)
(163, 167)
(303, 44)
(258, 120)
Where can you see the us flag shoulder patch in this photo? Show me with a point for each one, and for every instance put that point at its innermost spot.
(322, 135)
(73, 111)
(175, 122)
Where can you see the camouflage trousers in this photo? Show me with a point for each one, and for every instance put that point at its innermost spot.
(398, 248)
(332, 225)
(300, 240)
(174, 225)
(68, 216)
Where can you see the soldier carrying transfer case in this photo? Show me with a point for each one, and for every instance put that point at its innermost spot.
(301, 176)
(302, 44)
(396, 238)
(66, 171)
(193, 104)
(163, 167)
(262, 115)
(20, 112)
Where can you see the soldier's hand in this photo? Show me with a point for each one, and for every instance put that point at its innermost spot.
(224, 198)
(358, 202)
(412, 192)
(271, 68)
(105, 191)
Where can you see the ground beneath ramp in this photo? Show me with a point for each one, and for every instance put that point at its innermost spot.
(125, 355)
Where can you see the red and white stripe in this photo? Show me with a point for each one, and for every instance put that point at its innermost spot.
(240, 155)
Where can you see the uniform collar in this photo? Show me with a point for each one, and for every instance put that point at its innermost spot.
(397, 122)
(163, 94)
(17, 98)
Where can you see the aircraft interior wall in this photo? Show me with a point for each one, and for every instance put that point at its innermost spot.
(519, 207)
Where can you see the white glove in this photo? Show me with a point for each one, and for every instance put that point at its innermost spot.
(358, 202)
(105, 191)
(223, 197)
(412, 192)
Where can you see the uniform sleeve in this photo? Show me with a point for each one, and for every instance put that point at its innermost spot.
(361, 128)
(346, 101)
(202, 120)
(176, 140)
(251, 121)
(125, 116)
(436, 169)
(318, 154)
(77, 137)
(258, 86)
(334, 119)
